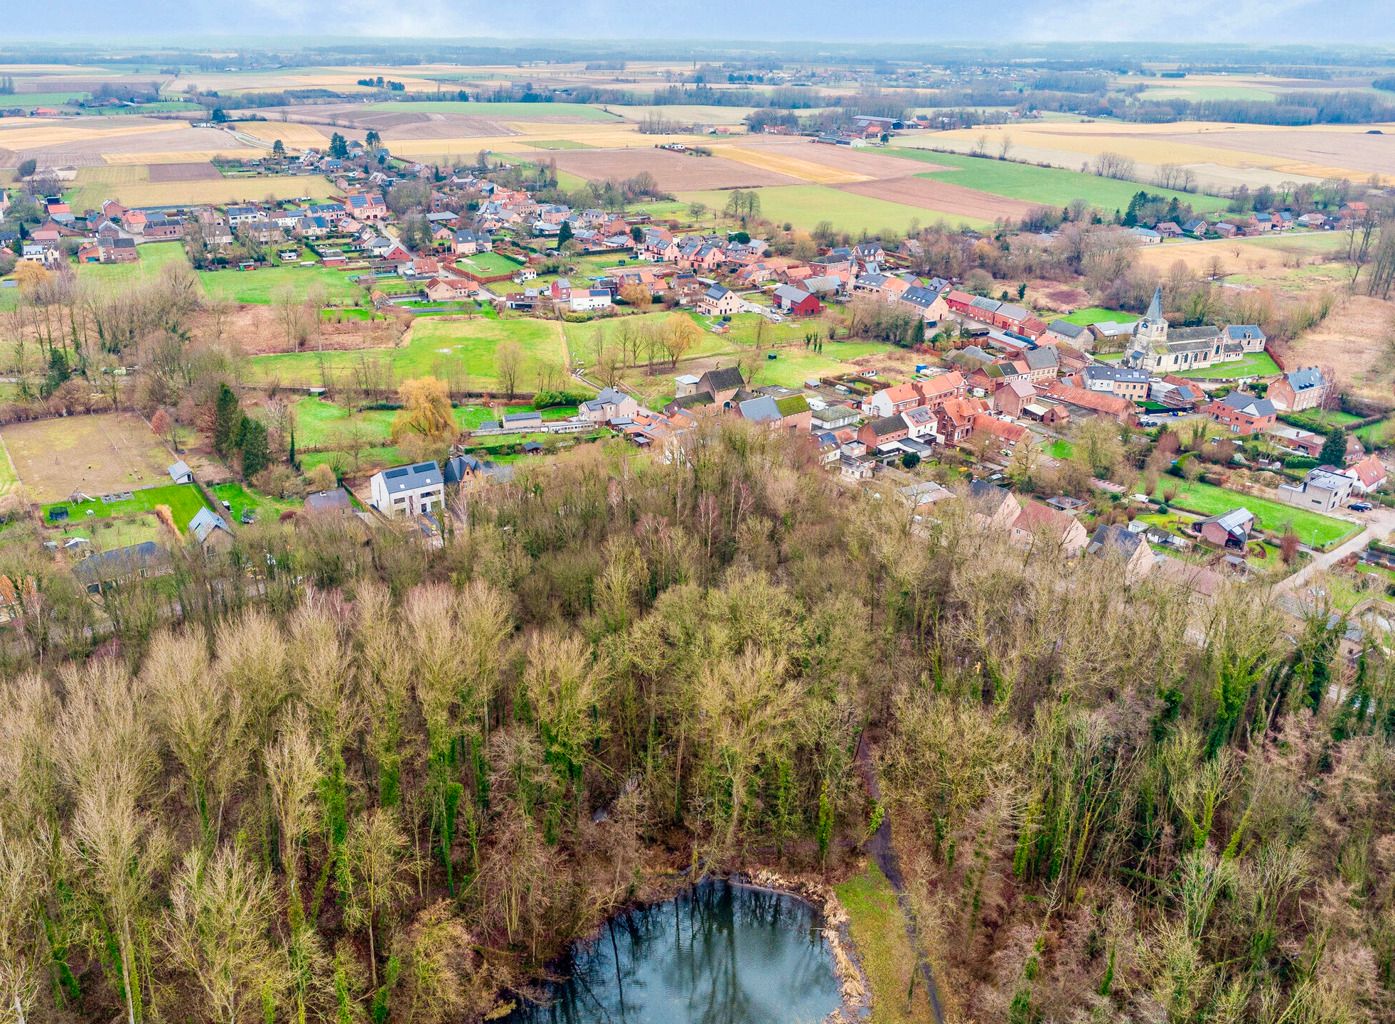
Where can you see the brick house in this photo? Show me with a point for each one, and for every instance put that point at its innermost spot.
(1242, 413)
(1302, 389)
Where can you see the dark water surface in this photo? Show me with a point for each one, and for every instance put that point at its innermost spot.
(718, 954)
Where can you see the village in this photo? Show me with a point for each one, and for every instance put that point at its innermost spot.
(981, 396)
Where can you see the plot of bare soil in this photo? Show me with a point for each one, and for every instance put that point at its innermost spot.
(198, 171)
(257, 331)
(1350, 148)
(401, 125)
(846, 158)
(674, 172)
(1355, 341)
(936, 195)
(95, 455)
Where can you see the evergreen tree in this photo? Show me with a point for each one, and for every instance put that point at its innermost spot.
(227, 415)
(252, 443)
(290, 458)
(564, 234)
(1334, 449)
(338, 146)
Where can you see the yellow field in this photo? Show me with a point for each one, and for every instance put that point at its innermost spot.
(178, 156)
(1263, 257)
(1073, 144)
(40, 133)
(806, 170)
(598, 136)
(225, 190)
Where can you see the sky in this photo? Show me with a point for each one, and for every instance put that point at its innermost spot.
(161, 22)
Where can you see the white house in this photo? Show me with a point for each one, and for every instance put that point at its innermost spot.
(407, 490)
(608, 405)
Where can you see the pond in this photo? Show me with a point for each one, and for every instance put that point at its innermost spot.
(720, 953)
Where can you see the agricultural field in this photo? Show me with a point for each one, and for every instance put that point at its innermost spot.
(1209, 500)
(807, 205)
(1222, 155)
(675, 172)
(458, 351)
(259, 287)
(1046, 186)
(499, 111)
(9, 479)
(95, 455)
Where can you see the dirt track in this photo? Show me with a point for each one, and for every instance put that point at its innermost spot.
(936, 195)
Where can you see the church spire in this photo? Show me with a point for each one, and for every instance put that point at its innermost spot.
(1154, 314)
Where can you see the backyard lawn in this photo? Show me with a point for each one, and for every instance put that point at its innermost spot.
(263, 506)
(322, 424)
(1209, 500)
(184, 500)
(1377, 435)
(488, 264)
(1256, 364)
(153, 257)
(259, 287)
(1098, 315)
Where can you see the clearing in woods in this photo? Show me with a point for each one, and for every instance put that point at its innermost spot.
(95, 455)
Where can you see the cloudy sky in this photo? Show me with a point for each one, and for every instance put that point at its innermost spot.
(1368, 22)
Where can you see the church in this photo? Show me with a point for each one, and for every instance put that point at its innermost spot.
(1160, 349)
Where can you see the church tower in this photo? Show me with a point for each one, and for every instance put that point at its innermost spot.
(1149, 336)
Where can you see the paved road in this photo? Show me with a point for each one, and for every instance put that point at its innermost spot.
(1379, 522)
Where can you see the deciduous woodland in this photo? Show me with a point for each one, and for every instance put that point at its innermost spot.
(336, 775)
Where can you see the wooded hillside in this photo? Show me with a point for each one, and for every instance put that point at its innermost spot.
(337, 775)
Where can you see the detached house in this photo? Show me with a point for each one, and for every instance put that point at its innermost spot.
(1301, 389)
(407, 490)
(719, 301)
(1242, 413)
(1130, 548)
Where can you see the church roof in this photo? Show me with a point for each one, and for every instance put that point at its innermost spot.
(1155, 314)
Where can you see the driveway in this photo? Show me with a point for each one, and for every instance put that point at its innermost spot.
(1378, 523)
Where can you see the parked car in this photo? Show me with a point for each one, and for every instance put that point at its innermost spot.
(1360, 506)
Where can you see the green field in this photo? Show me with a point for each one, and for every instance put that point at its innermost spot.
(1050, 186)
(263, 506)
(508, 111)
(322, 424)
(1321, 418)
(1097, 315)
(40, 99)
(1378, 435)
(458, 351)
(1256, 364)
(259, 287)
(489, 264)
(184, 500)
(807, 205)
(1209, 500)
(153, 257)
(8, 477)
(581, 338)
